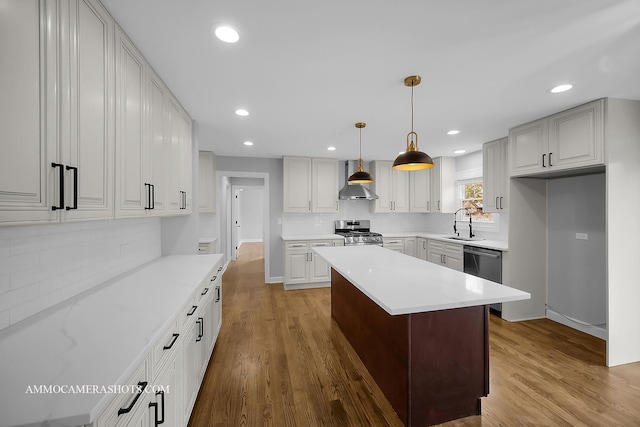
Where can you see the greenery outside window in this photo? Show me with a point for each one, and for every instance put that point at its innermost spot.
(470, 196)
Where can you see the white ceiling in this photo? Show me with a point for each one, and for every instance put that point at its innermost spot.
(309, 70)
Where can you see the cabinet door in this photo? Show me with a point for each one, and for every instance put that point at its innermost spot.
(324, 178)
(454, 257)
(28, 183)
(87, 136)
(400, 191)
(528, 146)
(296, 184)
(132, 195)
(421, 248)
(174, 178)
(436, 185)
(382, 185)
(410, 246)
(158, 142)
(494, 177)
(420, 190)
(169, 399)
(576, 137)
(296, 268)
(319, 269)
(435, 257)
(191, 367)
(207, 187)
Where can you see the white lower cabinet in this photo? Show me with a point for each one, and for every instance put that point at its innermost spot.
(170, 376)
(447, 254)
(302, 266)
(421, 248)
(394, 243)
(410, 246)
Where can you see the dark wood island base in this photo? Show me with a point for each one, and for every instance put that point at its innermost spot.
(432, 366)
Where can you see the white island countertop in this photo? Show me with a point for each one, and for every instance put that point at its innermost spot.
(402, 284)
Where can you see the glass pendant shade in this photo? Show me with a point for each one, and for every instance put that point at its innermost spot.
(412, 159)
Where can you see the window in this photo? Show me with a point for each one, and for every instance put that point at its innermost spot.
(471, 198)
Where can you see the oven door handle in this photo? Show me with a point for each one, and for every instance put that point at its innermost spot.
(485, 254)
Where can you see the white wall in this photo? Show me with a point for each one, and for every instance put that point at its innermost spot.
(43, 265)
(577, 284)
(251, 214)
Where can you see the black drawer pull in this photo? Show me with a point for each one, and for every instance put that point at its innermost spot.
(141, 385)
(75, 188)
(200, 323)
(214, 278)
(173, 341)
(205, 291)
(157, 422)
(193, 310)
(217, 294)
(61, 186)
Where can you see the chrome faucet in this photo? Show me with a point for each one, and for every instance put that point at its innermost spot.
(455, 228)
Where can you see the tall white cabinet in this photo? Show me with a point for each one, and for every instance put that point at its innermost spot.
(84, 118)
(56, 112)
(443, 179)
(391, 186)
(495, 176)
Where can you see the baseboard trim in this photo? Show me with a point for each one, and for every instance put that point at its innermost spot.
(587, 329)
(307, 286)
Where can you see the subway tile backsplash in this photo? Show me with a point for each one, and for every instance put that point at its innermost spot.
(43, 265)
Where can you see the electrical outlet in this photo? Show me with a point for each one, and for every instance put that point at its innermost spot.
(582, 236)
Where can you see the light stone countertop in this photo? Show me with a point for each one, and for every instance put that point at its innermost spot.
(98, 338)
(402, 284)
(311, 237)
(484, 243)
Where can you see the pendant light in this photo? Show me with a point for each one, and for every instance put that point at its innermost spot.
(412, 158)
(360, 176)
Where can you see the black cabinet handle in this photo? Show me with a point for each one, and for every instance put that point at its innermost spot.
(217, 294)
(141, 385)
(204, 292)
(200, 323)
(157, 421)
(148, 187)
(193, 310)
(501, 202)
(173, 341)
(61, 204)
(213, 279)
(153, 197)
(220, 269)
(75, 188)
(550, 159)
(543, 157)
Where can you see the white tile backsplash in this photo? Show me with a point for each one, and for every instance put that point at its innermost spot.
(43, 265)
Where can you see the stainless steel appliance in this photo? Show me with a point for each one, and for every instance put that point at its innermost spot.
(485, 263)
(357, 232)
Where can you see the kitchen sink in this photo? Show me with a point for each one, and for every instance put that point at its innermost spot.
(465, 239)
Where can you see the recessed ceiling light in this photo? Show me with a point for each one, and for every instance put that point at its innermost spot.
(453, 132)
(227, 34)
(248, 143)
(332, 148)
(561, 88)
(459, 151)
(242, 112)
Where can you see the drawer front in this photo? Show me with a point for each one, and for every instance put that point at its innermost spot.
(453, 249)
(435, 245)
(321, 243)
(297, 245)
(166, 347)
(128, 406)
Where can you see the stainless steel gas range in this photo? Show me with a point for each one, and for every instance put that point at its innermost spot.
(357, 232)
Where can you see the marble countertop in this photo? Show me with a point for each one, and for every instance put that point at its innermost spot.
(402, 284)
(98, 338)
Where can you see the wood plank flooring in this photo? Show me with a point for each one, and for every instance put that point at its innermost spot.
(281, 361)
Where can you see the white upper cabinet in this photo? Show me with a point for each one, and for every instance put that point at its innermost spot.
(56, 111)
(207, 181)
(391, 186)
(443, 180)
(179, 165)
(420, 190)
(324, 182)
(571, 139)
(84, 113)
(495, 178)
(133, 194)
(310, 185)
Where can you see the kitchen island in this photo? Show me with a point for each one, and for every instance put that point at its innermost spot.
(422, 330)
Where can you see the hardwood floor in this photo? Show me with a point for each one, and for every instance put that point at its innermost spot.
(281, 361)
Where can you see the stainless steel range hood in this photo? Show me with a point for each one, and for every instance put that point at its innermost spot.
(354, 191)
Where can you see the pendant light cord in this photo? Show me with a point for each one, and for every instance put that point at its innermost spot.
(412, 111)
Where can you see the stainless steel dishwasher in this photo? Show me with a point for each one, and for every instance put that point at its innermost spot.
(485, 263)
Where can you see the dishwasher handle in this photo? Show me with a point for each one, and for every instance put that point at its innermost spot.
(479, 253)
